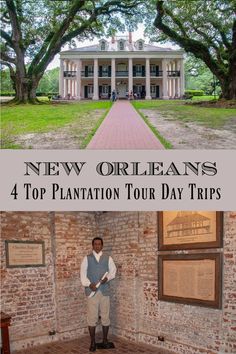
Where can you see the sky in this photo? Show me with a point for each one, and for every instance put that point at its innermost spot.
(138, 34)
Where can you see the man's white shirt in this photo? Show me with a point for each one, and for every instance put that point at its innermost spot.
(84, 267)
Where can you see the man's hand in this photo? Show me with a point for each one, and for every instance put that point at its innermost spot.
(104, 280)
(93, 286)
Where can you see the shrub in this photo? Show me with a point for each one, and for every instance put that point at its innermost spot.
(40, 94)
(194, 92)
(7, 93)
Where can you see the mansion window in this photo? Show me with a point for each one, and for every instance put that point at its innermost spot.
(90, 89)
(121, 45)
(138, 89)
(90, 70)
(138, 70)
(140, 45)
(105, 70)
(153, 89)
(103, 45)
(153, 68)
(105, 89)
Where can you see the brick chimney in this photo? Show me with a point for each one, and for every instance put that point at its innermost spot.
(130, 37)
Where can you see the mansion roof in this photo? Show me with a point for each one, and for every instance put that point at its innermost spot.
(122, 44)
(129, 48)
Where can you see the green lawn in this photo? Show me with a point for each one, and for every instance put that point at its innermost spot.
(23, 119)
(179, 109)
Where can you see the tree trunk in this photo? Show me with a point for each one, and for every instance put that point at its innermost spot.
(228, 86)
(25, 90)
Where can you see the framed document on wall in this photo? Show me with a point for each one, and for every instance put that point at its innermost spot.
(179, 230)
(191, 279)
(25, 254)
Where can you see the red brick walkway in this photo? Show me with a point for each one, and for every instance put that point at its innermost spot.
(80, 346)
(123, 128)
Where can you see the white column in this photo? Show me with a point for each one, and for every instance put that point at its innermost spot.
(174, 80)
(74, 93)
(78, 79)
(171, 82)
(130, 75)
(70, 69)
(178, 87)
(95, 80)
(178, 79)
(113, 74)
(164, 80)
(66, 80)
(182, 77)
(148, 82)
(61, 78)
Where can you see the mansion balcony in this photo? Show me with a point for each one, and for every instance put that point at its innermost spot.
(173, 73)
(85, 73)
(159, 73)
(69, 73)
(122, 73)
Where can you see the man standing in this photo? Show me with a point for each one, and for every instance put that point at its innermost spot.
(97, 269)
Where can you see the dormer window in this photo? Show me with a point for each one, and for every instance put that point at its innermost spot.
(103, 45)
(121, 45)
(140, 45)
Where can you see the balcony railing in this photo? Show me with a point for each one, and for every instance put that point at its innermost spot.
(139, 74)
(170, 73)
(158, 73)
(69, 73)
(87, 73)
(104, 74)
(122, 73)
(91, 74)
(173, 73)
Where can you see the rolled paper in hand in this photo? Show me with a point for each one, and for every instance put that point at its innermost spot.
(98, 284)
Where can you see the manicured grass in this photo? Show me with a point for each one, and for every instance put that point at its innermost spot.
(164, 142)
(24, 119)
(42, 118)
(178, 109)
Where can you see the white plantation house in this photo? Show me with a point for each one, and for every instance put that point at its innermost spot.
(123, 65)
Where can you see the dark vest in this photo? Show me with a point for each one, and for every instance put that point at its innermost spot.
(95, 271)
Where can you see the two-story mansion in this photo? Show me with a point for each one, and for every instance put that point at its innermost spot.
(123, 65)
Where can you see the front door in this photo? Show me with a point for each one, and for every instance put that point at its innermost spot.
(121, 90)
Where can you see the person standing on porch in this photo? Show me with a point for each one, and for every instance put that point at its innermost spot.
(113, 96)
(96, 272)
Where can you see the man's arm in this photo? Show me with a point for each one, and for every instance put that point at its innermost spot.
(112, 269)
(83, 272)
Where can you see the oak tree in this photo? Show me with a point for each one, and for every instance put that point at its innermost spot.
(205, 28)
(33, 32)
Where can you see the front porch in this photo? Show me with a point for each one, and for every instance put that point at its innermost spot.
(138, 78)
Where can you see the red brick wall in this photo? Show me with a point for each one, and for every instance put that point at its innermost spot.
(28, 293)
(42, 299)
(73, 233)
(137, 313)
(47, 298)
